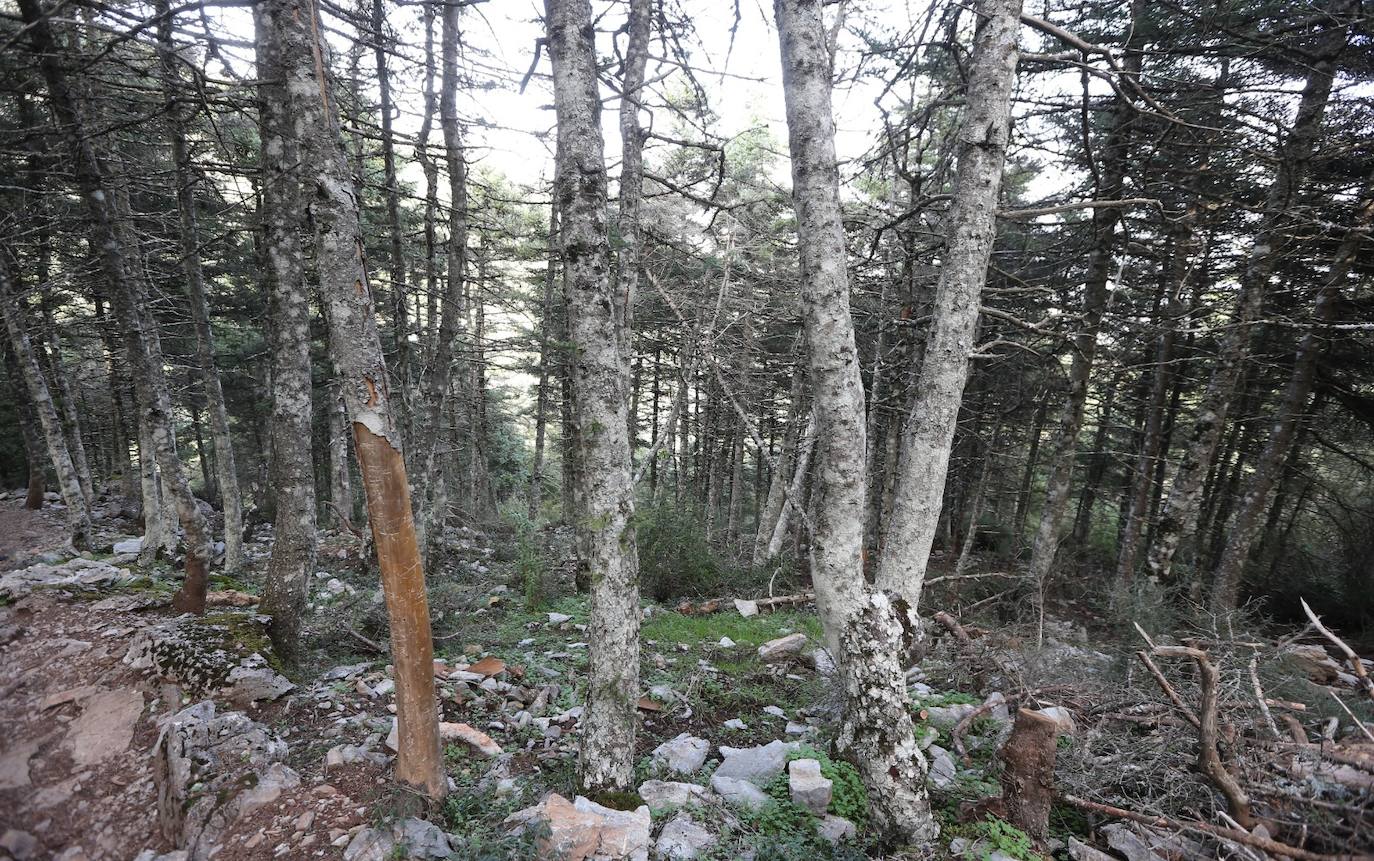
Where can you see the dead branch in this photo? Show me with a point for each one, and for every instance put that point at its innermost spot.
(1167, 688)
(1242, 837)
(1260, 698)
(1209, 760)
(1353, 659)
(374, 646)
(715, 605)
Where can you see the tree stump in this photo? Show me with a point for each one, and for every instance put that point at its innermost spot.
(1028, 779)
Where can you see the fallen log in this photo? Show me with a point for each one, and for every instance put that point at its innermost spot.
(715, 605)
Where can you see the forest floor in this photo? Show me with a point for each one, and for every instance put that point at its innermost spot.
(107, 753)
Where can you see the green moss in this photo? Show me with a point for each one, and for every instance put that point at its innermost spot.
(618, 800)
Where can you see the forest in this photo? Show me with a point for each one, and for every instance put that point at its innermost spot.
(676, 429)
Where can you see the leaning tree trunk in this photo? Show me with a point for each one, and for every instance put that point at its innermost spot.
(1105, 219)
(1268, 247)
(128, 293)
(397, 272)
(1245, 525)
(970, 228)
(356, 349)
(600, 391)
(292, 472)
(876, 730)
(78, 515)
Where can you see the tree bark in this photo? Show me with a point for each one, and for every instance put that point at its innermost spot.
(357, 352)
(78, 515)
(145, 354)
(292, 474)
(397, 271)
(1296, 153)
(970, 229)
(600, 389)
(876, 730)
(1028, 779)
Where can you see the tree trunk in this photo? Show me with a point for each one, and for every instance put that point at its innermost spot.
(774, 505)
(78, 515)
(1245, 526)
(357, 352)
(128, 293)
(1105, 219)
(226, 470)
(534, 493)
(433, 490)
(340, 482)
(1028, 779)
(1266, 250)
(35, 449)
(970, 229)
(399, 314)
(292, 474)
(876, 730)
(600, 390)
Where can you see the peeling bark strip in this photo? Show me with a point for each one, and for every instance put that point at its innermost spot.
(600, 385)
(357, 353)
(876, 731)
(78, 516)
(293, 475)
(970, 228)
(128, 294)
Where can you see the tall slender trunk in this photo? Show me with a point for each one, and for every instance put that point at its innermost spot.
(399, 294)
(772, 507)
(1097, 469)
(78, 515)
(154, 529)
(600, 388)
(534, 492)
(1265, 251)
(1028, 474)
(876, 730)
(226, 470)
(1152, 437)
(1099, 272)
(292, 475)
(1243, 528)
(128, 292)
(433, 490)
(357, 352)
(970, 229)
(340, 482)
(30, 429)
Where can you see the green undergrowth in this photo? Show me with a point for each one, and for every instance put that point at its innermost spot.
(747, 632)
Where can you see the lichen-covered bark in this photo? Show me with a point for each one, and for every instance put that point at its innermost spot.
(78, 515)
(332, 202)
(292, 471)
(969, 229)
(600, 388)
(1244, 527)
(876, 730)
(129, 296)
(1185, 493)
(226, 470)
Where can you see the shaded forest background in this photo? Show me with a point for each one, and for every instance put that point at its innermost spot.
(1098, 379)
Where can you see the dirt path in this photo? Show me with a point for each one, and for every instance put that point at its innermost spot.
(25, 534)
(76, 727)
